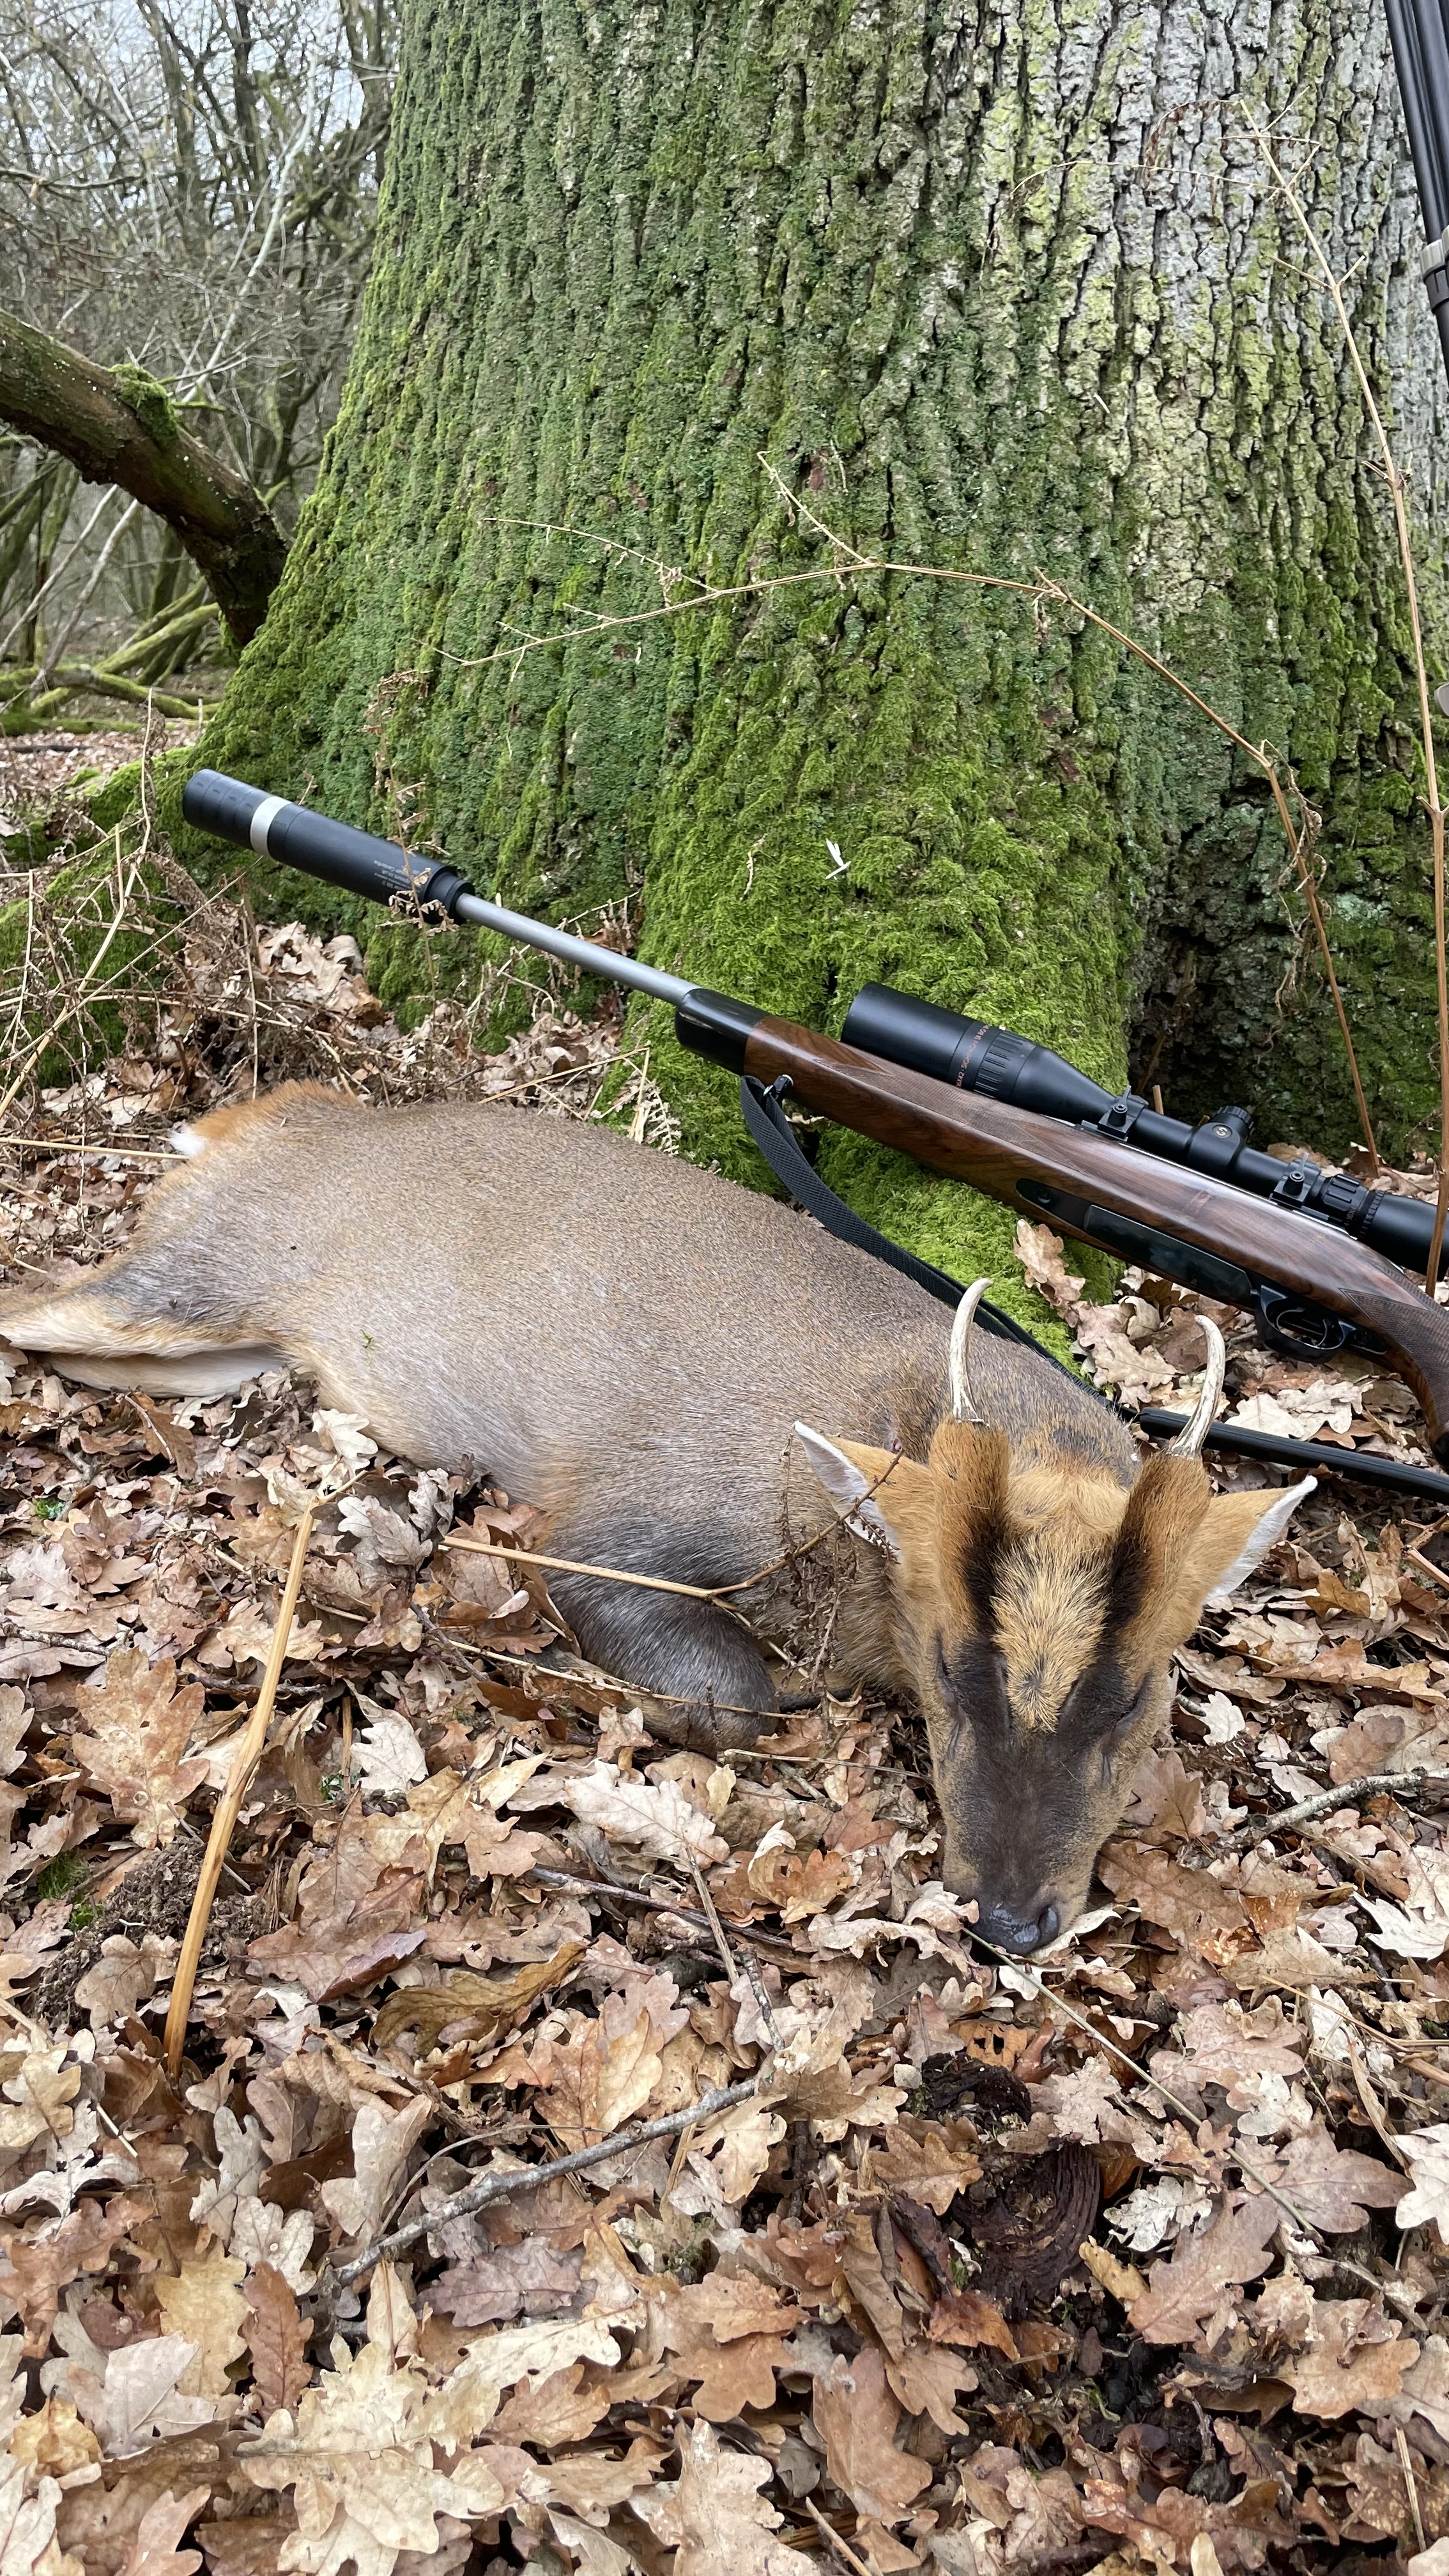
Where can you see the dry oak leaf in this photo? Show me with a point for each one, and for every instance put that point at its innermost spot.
(359, 2459)
(489, 2004)
(28, 2546)
(38, 2269)
(203, 2303)
(1333, 2187)
(1167, 1800)
(132, 2399)
(38, 2089)
(740, 2303)
(594, 2083)
(492, 2288)
(714, 2517)
(469, 2397)
(794, 1886)
(1205, 2270)
(1190, 1903)
(927, 2379)
(654, 1818)
(968, 2317)
(1426, 2152)
(276, 2333)
(382, 2140)
(928, 2161)
(856, 2417)
(549, 2412)
(53, 2441)
(731, 2375)
(134, 1751)
(1356, 2356)
(154, 2551)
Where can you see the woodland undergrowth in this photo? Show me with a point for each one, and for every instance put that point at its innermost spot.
(1132, 2260)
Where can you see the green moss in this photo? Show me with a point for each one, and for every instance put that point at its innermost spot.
(62, 1876)
(141, 392)
(720, 295)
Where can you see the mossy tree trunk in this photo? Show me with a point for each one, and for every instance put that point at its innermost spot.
(661, 288)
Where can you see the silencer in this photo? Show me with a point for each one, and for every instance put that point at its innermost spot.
(335, 852)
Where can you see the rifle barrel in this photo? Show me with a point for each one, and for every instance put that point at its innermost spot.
(409, 881)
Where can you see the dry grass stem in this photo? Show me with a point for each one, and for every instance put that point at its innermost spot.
(223, 1823)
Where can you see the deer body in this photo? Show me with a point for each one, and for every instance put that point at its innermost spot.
(629, 1344)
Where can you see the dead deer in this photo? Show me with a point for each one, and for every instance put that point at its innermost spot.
(643, 1350)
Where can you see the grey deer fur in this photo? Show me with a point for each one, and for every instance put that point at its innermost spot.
(665, 1364)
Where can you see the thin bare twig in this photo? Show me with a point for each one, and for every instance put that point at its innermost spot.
(533, 2177)
(1326, 1803)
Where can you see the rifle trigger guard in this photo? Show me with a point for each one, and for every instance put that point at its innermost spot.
(1298, 1328)
(1120, 1117)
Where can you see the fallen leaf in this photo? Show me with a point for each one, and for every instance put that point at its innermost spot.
(154, 2550)
(1355, 2356)
(1206, 2269)
(276, 2334)
(856, 2417)
(656, 1820)
(1426, 2152)
(130, 1741)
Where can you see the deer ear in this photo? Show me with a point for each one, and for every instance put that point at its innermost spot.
(1235, 1535)
(853, 1477)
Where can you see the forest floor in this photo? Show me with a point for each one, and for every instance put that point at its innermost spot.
(1133, 2259)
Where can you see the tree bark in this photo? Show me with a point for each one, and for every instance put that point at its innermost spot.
(118, 426)
(716, 290)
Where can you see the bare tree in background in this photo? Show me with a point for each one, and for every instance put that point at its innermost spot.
(186, 193)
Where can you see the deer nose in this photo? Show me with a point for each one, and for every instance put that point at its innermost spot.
(1008, 1930)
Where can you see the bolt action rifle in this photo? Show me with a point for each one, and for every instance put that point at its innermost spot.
(1315, 1256)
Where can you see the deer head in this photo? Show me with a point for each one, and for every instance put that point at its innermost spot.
(1036, 1604)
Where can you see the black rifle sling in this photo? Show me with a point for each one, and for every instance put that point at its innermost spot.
(762, 1109)
(771, 1129)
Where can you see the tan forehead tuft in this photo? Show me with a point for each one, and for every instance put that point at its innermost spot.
(1057, 1566)
(1050, 1595)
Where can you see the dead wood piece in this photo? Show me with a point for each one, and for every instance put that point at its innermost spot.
(120, 428)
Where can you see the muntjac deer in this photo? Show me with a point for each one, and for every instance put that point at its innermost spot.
(671, 1368)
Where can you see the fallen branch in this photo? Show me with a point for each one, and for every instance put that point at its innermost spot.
(121, 427)
(533, 2177)
(1263, 1828)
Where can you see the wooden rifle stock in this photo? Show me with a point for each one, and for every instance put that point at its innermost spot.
(1082, 1184)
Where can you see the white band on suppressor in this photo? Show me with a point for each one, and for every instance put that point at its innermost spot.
(262, 821)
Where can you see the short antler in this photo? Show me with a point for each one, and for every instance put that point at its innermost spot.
(1189, 1441)
(964, 1407)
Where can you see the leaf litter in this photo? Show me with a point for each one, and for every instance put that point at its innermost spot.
(1134, 2258)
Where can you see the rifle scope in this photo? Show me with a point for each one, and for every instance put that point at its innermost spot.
(973, 1056)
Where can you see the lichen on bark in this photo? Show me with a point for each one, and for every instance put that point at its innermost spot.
(713, 291)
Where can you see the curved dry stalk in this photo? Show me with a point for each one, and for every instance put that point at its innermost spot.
(223, 1823)
(1399, 498)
